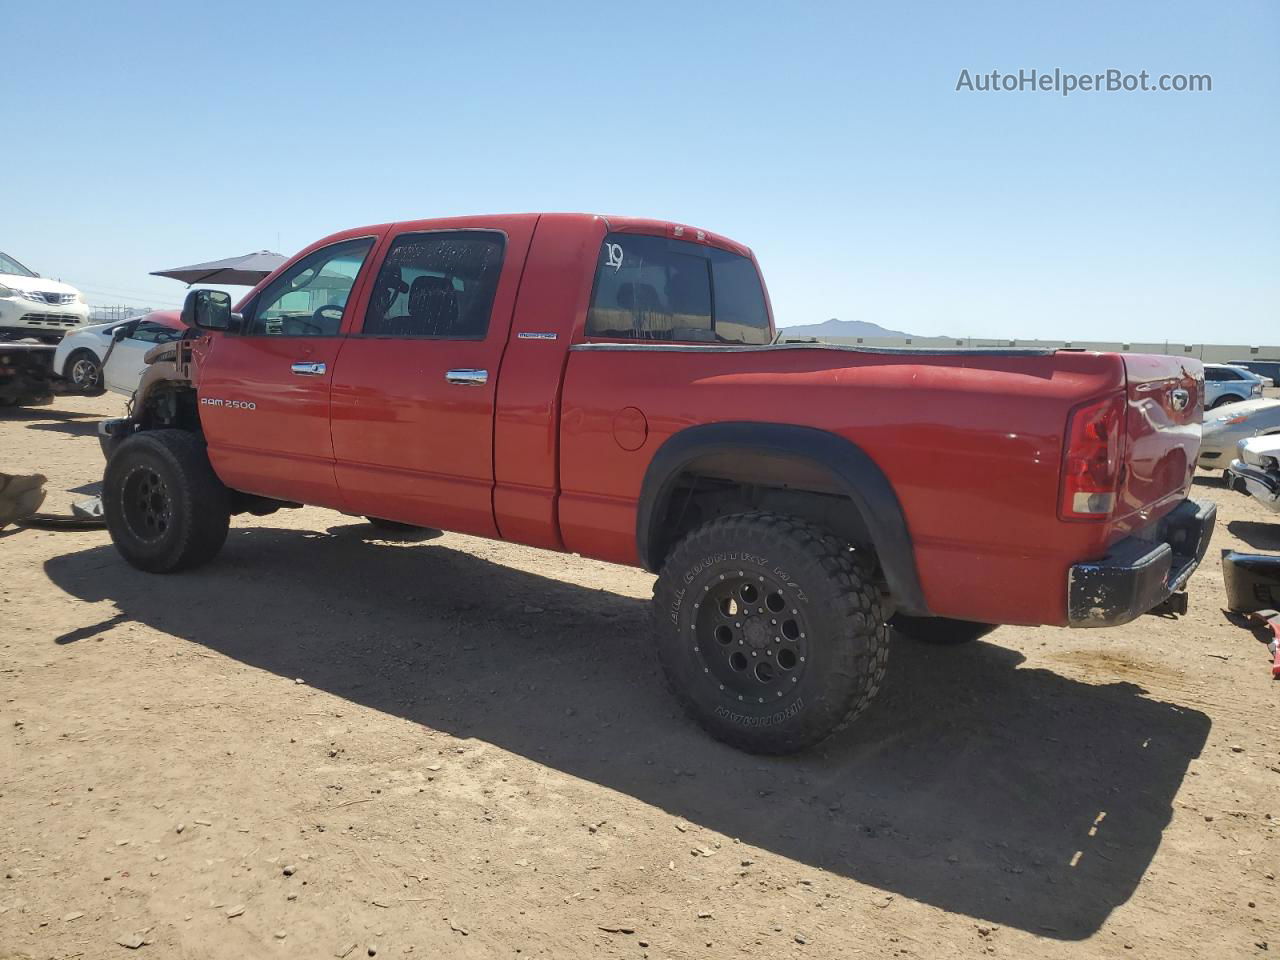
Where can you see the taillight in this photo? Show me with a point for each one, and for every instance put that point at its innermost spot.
(1093, 461)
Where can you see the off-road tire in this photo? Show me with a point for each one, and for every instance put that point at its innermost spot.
(165, 508)
(942, 631)
(97, 388)
(838, 649)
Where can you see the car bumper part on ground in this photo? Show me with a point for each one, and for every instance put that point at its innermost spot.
(1138, 574)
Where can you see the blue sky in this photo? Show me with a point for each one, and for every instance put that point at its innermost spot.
(829, 138)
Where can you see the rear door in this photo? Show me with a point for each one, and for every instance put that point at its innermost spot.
(413, 393)
(264, 392)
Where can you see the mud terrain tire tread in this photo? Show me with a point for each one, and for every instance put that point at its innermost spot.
(200, 503)
(856, 651)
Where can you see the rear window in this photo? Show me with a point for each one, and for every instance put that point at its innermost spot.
(655, 288)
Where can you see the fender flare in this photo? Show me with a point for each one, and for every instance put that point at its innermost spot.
(859, 476)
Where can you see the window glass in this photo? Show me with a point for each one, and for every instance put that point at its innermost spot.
(155, 333)
(741, 313)
(309, 299)
(655, 288)
(436, 285)
(1212, 374)
(13, 267)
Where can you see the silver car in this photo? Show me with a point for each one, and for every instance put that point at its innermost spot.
(1225, 427)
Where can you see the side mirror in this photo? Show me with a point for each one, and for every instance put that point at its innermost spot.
(207, 309)
(124, 331)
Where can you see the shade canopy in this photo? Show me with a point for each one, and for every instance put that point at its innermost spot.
(248, 270)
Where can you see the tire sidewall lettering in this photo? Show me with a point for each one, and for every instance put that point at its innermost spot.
(769, 720)
(729, 556)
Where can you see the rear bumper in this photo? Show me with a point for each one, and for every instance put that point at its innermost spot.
(1140, 573)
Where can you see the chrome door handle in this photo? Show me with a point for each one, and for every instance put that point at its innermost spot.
(467, 378)
(307, 369)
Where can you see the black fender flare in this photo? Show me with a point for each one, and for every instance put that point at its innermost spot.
(859, 476)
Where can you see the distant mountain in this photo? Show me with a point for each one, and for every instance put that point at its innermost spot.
(842, 328)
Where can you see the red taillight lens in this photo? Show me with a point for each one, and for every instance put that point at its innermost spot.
(1093, 461)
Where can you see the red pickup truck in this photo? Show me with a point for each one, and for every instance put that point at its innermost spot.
(612, 387)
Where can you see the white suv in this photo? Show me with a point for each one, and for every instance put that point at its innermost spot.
(31, 306)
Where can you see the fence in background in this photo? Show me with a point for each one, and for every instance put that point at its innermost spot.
(114, 312)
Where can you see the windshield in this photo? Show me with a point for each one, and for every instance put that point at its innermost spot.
(13, 267)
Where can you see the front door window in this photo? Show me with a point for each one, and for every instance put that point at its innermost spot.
(309, 299)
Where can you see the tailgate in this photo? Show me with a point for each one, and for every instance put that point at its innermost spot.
(1165, 406)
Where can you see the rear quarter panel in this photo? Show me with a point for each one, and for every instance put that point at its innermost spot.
(972, 444)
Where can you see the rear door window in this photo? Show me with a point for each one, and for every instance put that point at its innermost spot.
(656, 288)
(438, 284)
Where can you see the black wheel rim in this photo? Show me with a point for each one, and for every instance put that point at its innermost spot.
(751, 635)
(84, 373)
(148, 508)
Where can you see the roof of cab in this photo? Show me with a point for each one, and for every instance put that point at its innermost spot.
(613, 224)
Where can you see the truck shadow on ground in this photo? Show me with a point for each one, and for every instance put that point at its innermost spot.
(1016, 796)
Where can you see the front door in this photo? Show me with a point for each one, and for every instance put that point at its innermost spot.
(413, 394)
(264, 391)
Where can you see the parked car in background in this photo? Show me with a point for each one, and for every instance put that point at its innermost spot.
(1227, 384)
(1265, 368)
(33, 306)
(1223, 429)
(110, 356)
(1261, 378)
(1256, 471)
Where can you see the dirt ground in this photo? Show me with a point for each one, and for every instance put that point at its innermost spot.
(327, 744)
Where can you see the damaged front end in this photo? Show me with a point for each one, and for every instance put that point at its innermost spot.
(166, 397)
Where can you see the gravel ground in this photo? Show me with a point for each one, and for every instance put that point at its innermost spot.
(331, 744)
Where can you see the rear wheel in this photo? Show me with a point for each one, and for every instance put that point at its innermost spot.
(769, 634)
(165, 507)
(940, 630)
(84, 371)
(1224, 400)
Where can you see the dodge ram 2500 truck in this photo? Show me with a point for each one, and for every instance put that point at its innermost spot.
(611, 387)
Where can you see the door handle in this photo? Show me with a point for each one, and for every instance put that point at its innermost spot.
(467, 378)
(308, 369)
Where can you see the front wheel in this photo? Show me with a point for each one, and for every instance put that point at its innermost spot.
(84, 371)
(165, 508)
(769, 633)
